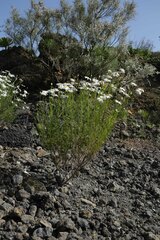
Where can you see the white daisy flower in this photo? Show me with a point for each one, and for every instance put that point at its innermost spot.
(44, 93)
(121, 70)
(133, 84)
(118, 102)
(139, 91)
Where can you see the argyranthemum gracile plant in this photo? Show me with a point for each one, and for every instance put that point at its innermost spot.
(11, 97)
(75, 118)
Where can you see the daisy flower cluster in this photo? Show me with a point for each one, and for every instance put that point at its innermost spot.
(11, 96)
(78, 116)
(5, 83)
(113, 85)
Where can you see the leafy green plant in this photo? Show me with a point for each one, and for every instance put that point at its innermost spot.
(77, 118)
(11, 97)
(5, 42)
(139, 70)
(144, 114)
(25, 30)
(142, 50)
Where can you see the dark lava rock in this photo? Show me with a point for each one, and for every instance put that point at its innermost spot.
(15, 136)
(43, 232)
(21, 133)
(115, 197)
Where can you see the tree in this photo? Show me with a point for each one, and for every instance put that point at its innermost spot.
(95, 26)
(61, 52)
(96, 22)
(26, 30)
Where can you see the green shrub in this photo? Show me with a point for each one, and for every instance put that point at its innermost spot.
(11, 97)
(144, 114)
(141, 71)
(78, 29)
(5, 42)
(78, 117)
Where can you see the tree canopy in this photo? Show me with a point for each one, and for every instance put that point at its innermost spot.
(92, 26)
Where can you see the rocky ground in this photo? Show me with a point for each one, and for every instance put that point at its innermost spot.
(115, 197)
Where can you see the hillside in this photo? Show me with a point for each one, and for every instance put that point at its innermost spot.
(115, 197)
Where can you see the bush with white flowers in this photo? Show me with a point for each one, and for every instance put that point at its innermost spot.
(75, 118)
(11, 96)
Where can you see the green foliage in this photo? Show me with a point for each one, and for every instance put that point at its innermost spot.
(144, 114)
(26, 30)
(143, 50)
(139, 70)
(7, 108)
(102, 59)
(155, 60)
(94, 22)
(77, 123)
(96, 26)
(67, 55)
(78, 31)
(10, 97)
(62, 52)
(53, 44)
(143, 54)
(79, 117)
(5, 42)
(140, 61)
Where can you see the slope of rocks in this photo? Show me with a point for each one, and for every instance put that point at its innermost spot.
(117, 196)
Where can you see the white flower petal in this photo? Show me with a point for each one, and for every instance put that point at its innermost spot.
(118, 102)
(139, 91)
